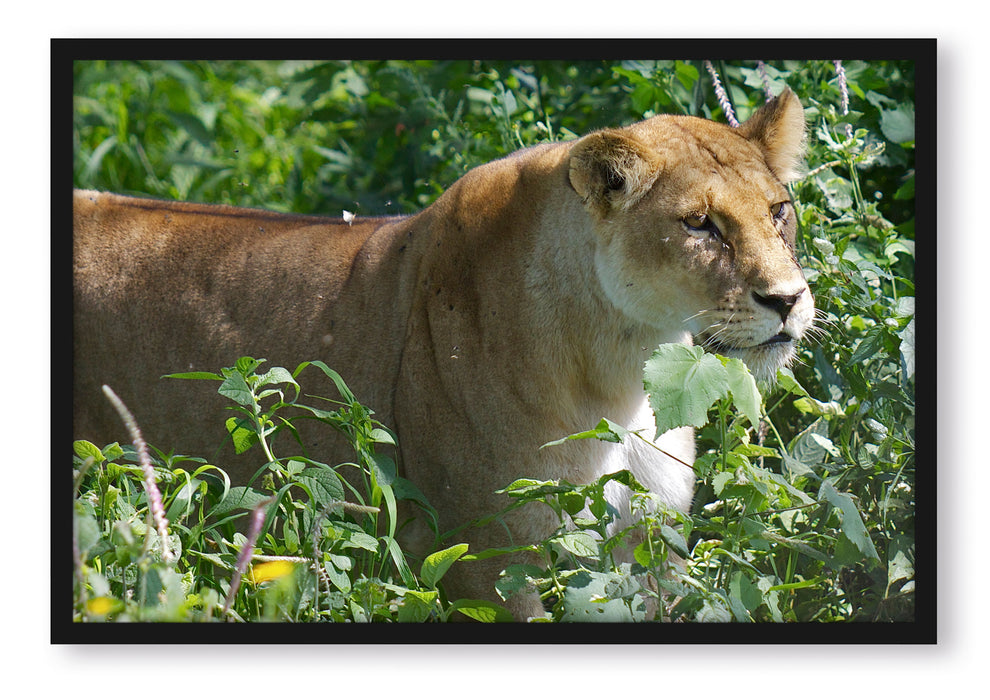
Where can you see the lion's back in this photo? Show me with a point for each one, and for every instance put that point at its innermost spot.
(164, 287)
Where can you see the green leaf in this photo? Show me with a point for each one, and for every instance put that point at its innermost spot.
(786, 380)
(743, 589)
(277, 375)
(338, 578)
(580, 544)
(900, 559)
(683, 382)
(239, 497)
(417, 606)
(85, 449)
(850, 519)
(243, 436)
(907, 348)
(675, 540)
(898, 124)
(383, 468)
(399, 559)
(499, 551)
(722, 480)
(194, 375)
(236, 389)
(814, 407)
(87, 532)
(338, 381)
(796, 468)
(585, 600)
(357, 537)
(746, 396)
(750, 450)
(645, 557)
(481, 610)
(323, 484)
(869, 346)
(686, 73)
(436, 564)
(606, 431)
(794, 544)
(382, 437)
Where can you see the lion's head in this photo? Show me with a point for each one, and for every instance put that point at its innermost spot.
(695, 228)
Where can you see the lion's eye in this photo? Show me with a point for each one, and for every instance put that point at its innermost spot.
(779, 211)
(701, 226)
(696, 221)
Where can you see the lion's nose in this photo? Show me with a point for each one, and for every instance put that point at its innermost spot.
(781, 303)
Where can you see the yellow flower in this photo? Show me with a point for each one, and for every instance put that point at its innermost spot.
(271, 571)
(101, 606)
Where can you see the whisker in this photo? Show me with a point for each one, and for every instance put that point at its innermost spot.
(700, 313)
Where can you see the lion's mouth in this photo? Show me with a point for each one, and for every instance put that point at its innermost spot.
(777, 340)
(723, 349)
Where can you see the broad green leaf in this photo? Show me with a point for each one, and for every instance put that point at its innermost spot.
(720, 481)
(898, 124)
(481, 610)
(786, 380)
(851, 520)
(827, 445)
(686, 73)
(675, 540)
(572, 502)
(236, 389)
(580, 544)
(742, 588)
(85, 449)
(358, 538)
(290, 536)
(436, 564)
(383, 468)
(647, 558)
(277, 375)
(585, 600)
(869, 346)
(338, 578)
(323, 484)
(516, 578)
(406, 490)
(900, 559)
(239, 497)
(382, 437)
(87, 532)
(795, 468)
(243, 437)
(745, 394)
(683, 382)
(417, 606)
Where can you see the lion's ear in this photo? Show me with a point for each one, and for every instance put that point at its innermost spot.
(611, 170)
(777, 128)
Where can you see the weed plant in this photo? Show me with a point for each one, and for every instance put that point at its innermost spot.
(806, 498)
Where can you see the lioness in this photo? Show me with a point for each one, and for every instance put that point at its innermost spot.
(517, 309)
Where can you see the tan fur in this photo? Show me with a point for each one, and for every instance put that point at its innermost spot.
(517, 309)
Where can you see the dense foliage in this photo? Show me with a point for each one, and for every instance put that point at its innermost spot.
(805, 508)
